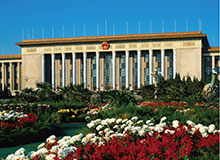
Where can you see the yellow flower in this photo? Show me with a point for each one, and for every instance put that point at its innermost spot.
(73, 116)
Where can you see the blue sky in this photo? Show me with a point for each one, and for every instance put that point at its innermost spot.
(31, 16)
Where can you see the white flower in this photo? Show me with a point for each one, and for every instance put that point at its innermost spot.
(62, 154)
(90, 125)
(51, 139)
(148, 121)
(163, 124)
(211, 128)
(115, 127)
(54, 149)
(106, 130)
(175, 123)
(118, 120)
(20, 152)
(99, 127)
(50, 157)
(169, 131)
(101, 132)
(124, 120)
(104, 122)
(76, 138)
(10, 157)
(204, 135)
(108, 133)
(88, 138)
(202, 129)
(163, 119)
(141, 132)
(134, 118)
(112, 120)
(140, 122)
(158, 128)
(41, 145)
(41, 152)
(190, 123)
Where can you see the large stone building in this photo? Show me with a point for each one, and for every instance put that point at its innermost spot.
(109, 62)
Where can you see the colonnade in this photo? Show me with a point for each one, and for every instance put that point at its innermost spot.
(97, 55)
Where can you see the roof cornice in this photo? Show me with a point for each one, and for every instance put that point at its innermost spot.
(153, 36)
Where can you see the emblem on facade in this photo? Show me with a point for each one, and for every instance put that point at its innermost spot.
(105, 45)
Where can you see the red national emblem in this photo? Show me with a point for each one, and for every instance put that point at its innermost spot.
(105, 45)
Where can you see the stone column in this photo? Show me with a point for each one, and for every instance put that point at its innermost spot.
(85, 69)
(74, 67)
(11, 76)
(19, 75)
(63, 69)
(174, 63)
(127, 69)
(150, 65)
(162, 62)
(139, 68)
(53, 69)
(43, 68)
(3, 76)
(114, 69)
(97, 72)
(213, 62)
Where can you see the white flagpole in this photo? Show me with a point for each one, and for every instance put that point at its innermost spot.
(52, 31)
(113, 28)
(32, 33)
(28, 34)
(186, 25)
(175, 25)
(23, 34)
(97, 29)
(139, 27)
(84, 26)
(63, 30)
(74, 30)
(42, 32)
(127, 27)
(150, 26)
(106, 26)
(162, 26)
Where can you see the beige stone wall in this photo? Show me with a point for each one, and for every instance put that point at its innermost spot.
(31, 70)
(188, 59)
(189, 62)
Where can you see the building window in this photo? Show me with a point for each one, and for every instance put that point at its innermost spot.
(170, 72)
(108, 71)
(61, 78)
(158, 57)
(207, 68)
(135, 69)
(93, 73)
(146, 70)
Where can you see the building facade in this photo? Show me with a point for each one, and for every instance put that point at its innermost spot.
(110, 62)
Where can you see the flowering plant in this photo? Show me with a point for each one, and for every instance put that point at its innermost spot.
(13, 119)
(130, 139)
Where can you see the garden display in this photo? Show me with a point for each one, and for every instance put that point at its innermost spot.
(131, 139)
(179, 124)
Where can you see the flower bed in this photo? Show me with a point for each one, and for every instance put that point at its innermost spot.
(131, 139)
(13, 119)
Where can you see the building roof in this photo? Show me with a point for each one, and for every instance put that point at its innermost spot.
(214, 49)
(15, 56)
(152, 36)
